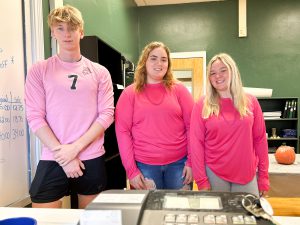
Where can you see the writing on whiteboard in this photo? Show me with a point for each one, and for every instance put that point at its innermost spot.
(5, 61)
(11, 117)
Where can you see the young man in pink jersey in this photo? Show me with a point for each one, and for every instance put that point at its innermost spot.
(69, 104)
(152, 124)
(228, 137)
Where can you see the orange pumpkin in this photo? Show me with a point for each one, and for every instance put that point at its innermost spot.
(285, 155)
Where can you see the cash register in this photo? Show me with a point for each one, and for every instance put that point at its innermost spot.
(173, 207)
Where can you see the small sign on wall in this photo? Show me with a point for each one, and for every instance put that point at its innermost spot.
(242, 18)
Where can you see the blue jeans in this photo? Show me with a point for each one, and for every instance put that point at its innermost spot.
(166, 176)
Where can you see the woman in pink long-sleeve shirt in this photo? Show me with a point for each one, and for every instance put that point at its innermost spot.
(152, 124)
(228, 138)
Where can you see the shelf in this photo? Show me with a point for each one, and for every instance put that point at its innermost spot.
(273, 106)
(282, 139)
(281, 119)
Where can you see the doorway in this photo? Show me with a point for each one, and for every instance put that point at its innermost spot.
(189, 68)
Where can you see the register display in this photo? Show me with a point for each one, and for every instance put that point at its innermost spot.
(192, 202)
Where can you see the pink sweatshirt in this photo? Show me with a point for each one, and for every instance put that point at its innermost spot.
(233, 148)
(152, 127)
(69, 98)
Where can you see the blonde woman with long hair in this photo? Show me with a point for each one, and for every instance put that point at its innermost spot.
(228, 137)
(152, 124)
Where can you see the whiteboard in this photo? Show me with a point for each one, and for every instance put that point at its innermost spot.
(14, 176)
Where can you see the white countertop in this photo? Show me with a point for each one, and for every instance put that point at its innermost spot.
(72, 216)
(274, 167)
(287, 220)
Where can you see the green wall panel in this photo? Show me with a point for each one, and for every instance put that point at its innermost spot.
(269, 57)
(113, 21)
(187, 27)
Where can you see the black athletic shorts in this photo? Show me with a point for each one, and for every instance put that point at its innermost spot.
(51, 183)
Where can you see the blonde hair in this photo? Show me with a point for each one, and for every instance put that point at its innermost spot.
(66, 14)
(140, 75)
(211, 100)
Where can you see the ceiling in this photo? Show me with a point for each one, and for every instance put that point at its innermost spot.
(168, 2)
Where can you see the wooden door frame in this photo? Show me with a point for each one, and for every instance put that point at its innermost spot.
(196, 54)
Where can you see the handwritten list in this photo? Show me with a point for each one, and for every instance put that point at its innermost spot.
(11, 117)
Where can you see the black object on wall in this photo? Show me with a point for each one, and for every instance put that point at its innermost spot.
(98, 51)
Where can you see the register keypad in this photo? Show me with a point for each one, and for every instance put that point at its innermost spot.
(194, 219)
